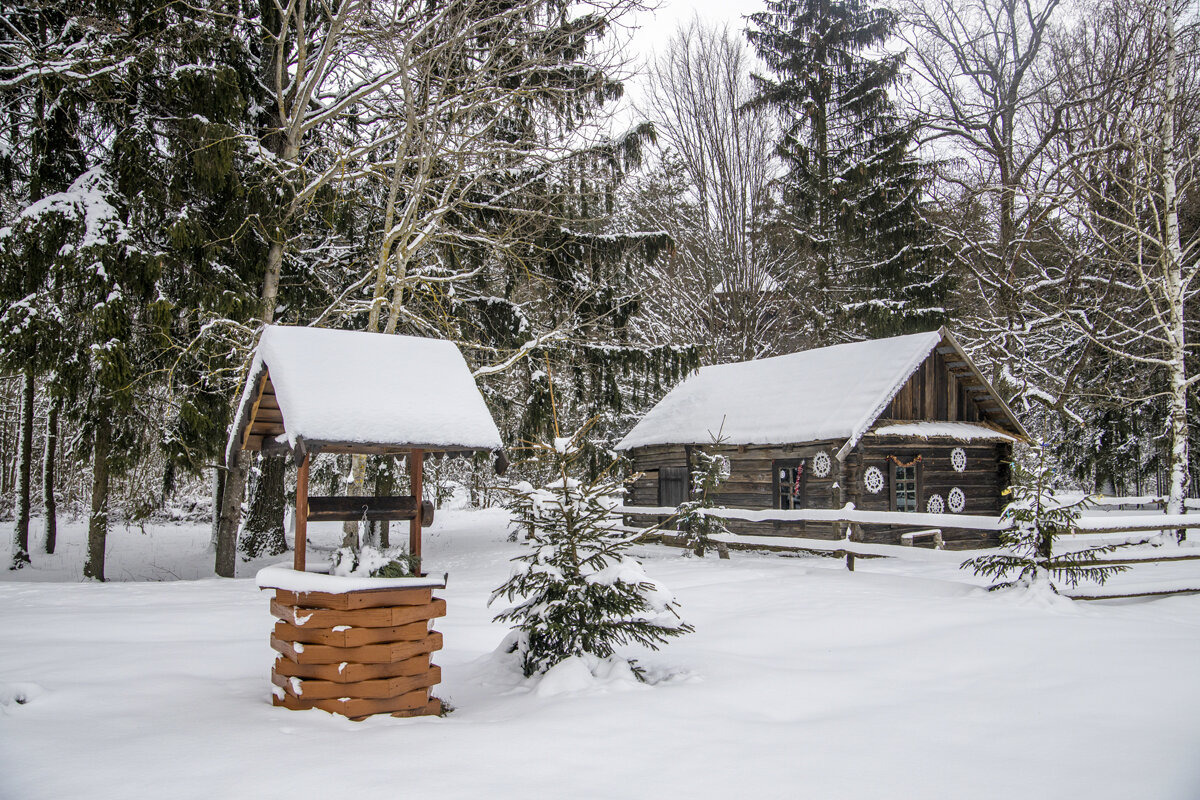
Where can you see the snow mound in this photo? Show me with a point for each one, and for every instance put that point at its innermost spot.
(587, 674)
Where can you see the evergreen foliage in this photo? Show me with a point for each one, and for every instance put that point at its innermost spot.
(698, 527)
(853, 187)
(577, 591)
(1037, 519)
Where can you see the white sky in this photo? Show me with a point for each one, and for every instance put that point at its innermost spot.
(652, 29)
(655, 27)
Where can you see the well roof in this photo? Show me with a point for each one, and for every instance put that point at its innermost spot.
(353, 391)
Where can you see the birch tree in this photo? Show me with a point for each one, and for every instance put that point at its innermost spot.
(1133, 178)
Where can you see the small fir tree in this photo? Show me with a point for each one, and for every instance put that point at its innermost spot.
(699, 527)
(578, 593)
(1038, 517)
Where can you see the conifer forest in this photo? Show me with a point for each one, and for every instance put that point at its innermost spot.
(587, 223)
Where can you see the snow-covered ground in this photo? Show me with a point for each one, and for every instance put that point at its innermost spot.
(900, 680)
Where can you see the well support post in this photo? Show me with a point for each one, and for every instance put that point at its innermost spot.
(301, 514)
(416, 465)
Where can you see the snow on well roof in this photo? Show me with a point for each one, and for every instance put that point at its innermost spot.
(829, 393)
(353, 387)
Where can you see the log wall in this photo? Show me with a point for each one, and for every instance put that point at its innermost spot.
(751, 484)
(358, 653)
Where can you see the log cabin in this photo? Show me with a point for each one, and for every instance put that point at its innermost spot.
(905, 424)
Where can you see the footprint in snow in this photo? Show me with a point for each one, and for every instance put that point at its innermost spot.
(13, 695)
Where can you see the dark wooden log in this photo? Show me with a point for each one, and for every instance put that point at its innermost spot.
(352, 509)
(416, 473)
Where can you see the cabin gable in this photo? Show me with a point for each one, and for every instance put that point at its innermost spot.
(944, 389)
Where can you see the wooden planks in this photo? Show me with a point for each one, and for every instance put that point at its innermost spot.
(262, 385)
(345, 672)
(347, 601)
(377, 688)
(384, 617)
(368, 654)
(345, 636)
(414, 704)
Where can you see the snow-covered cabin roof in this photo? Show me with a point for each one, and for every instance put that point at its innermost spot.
(829, 393)
(351, 390)
(960, 431)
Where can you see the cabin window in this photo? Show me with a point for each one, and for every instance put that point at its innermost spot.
(672, 486)
(904, 487)
(789, 484)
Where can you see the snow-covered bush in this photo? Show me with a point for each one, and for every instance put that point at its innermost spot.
(373, 562)
(698, 527)
(1038, 517)
(577, 592)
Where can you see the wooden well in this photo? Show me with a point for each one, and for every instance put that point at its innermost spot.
(358, 646)
(357, 653)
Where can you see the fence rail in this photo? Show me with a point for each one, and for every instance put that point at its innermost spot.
(1092, 530)
(848, 514)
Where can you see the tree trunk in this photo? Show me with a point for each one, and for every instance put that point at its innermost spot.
(263, 532)
(98, 521)
(218, 491)
(358, 473)
(231, 513)
(385, 486)
(1176, 292)
(49, 502)
(20, 548)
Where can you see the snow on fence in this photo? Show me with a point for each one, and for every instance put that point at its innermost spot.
(1144, 502)
(1115, 529)
(848, 515)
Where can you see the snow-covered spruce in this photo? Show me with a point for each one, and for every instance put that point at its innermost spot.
(576, 591)
(698, 528)
(1027, 547)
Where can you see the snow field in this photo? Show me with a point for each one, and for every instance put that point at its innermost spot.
(900, 680)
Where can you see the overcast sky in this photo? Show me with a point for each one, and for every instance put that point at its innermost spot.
(655, 27)
(651, 31)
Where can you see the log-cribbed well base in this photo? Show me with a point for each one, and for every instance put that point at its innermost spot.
(357, 653)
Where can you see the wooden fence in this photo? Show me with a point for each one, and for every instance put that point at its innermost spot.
(1116, 529)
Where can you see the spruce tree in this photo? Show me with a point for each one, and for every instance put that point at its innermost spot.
(1037, 517)
(577, 591)
(853, 186)
(698, 527)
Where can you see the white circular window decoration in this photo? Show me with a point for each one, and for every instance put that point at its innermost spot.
(936, 505)
(873, 480)
(958, 500)
(958, 459)
(821, 464)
